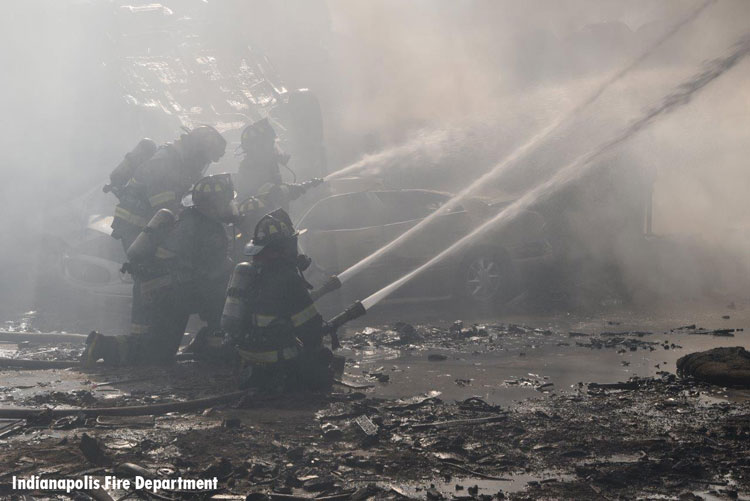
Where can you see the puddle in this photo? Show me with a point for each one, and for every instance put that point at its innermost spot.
(506, 369)
(8, 350)
(720, 395)
(466, 485)
(702, 494)
(500, 366)
(21, 385)
(618, 458)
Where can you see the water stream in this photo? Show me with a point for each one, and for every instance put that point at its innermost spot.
(425, 146)
(512, 159)
(580, 166)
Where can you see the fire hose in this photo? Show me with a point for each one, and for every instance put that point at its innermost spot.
(136, 410)
(28, 364)
(356, 310)
(22, 363)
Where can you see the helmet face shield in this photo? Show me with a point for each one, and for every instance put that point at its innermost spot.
(287, 247)
(252, 249)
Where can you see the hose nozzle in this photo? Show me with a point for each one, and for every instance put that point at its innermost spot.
(354, 311)
(332, 284)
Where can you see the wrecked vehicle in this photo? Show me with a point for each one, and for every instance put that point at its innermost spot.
(343, 229)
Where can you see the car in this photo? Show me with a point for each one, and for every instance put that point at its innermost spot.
(94, 263)
(79, 285)
(340, 230)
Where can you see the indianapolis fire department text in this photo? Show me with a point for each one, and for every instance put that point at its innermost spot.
(37, 483)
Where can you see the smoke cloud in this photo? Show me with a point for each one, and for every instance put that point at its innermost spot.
(424, 93)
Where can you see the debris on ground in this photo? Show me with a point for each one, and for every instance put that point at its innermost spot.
(720, 366)
(655, 436)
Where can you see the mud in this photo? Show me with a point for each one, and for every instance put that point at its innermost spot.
(560, 408)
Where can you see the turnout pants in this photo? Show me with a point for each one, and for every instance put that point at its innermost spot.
(161, 310)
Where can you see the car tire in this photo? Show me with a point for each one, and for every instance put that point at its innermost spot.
(487, 277)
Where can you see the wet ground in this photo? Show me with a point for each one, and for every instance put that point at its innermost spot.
(522, 408)
(506, 361)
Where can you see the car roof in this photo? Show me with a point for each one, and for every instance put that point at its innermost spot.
(340, 200)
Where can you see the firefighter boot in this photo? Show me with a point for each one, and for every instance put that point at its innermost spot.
(99, 346)
(209, 346)
(316, 371)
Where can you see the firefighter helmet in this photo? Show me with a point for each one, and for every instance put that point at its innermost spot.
(257, 133)
(274, 229)
(208, 140)
(214, 194)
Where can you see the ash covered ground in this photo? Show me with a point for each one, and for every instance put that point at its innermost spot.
(546, 408)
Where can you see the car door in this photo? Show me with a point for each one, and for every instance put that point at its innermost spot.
(412, 207)
(342, 230)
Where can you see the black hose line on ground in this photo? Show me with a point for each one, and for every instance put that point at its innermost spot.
(42, 337)
(28, 364)
(21, 363)
(136, 410)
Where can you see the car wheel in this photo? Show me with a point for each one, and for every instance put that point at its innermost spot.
(486, 277)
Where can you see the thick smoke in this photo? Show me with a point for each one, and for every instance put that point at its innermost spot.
(575, 172)
(582, 50)
(451, 87)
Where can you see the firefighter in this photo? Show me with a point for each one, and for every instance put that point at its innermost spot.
(270, 317)
(182, 267)
(259, 174)
(121, 174)
(259, 178)
(159, 180)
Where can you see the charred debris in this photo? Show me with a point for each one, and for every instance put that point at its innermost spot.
(641, 436)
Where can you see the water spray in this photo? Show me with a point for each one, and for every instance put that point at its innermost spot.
(412, 148)
(515, 156)
(576, 169)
